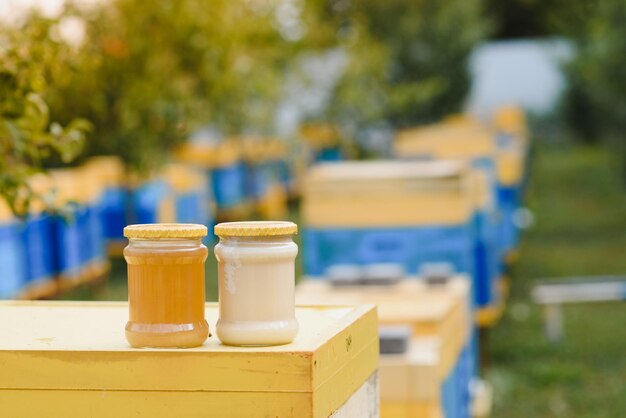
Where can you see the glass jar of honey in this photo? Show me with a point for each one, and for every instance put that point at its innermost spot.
(256, 278)
(166, 293)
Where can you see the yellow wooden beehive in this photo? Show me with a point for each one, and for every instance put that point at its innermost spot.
(511, 119)
(91, 185)
(199, 154)
(259, 150)
(183, 178)
(166, 207)
(64, 359)
(274, 204)
(410, 383)
(6, 215)
(461, 139)
(320, 135)
(430, 311)
(108, 170)
(482, 190)
(68, 186)
(387, 194)
(440, 320)
(445, 140)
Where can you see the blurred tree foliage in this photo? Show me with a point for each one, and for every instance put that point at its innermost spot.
(595, 104)
(524, 18)
(30, 56)
(408, 59)
(430, 43)
(148, 71)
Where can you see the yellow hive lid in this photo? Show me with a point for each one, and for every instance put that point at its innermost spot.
(255, 229)
(320, 134)
(254, 148)
(463, 119)
(203, 154)
(445, 140)
(387, 170)
(90, 184)
(165, 230)
(66, 184)
(108, 168)
(183, 178)
(278, 149)
(311, 377)
(510, 119)
(510, 167)
(6, 215)
(40, 185)
(395, 193)
(228, 152)
(258, 149)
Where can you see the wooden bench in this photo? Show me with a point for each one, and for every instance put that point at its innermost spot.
(554, 294)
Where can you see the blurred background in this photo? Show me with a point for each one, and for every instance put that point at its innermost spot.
(126, 111)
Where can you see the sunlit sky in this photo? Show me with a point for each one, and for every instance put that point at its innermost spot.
(11, 9)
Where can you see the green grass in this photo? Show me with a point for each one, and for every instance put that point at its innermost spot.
(580, 230)
(580, 226)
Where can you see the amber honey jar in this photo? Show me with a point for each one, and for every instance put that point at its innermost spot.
(166, 293)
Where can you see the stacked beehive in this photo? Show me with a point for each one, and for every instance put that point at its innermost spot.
(502, 155)
(192, 199)
(38, 238)
(110, 173)
(407, 213)
(504, 150)
(267, 175)
(65, 359)
(224, 168)
(52, 251)
(428, 347)
(11, 254)
(509, 124)
(323, 142)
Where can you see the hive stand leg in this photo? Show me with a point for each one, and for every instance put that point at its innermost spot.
(554, 322)
(483, 348)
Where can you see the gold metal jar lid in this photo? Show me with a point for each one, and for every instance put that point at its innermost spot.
(164, 231)
(255, 229)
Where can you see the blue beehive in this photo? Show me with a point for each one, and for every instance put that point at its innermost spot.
(112, 200)
(430, 374)
(467, 139)
(11, 254)
(486, 247)
(267, 182)
(324, 142)
(38, 243)
(407, 213)
(193, 202)
(512, 164)
(38, 237)
(224, 169)
(153, 202)
(71, 230)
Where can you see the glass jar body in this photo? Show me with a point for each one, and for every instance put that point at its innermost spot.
(256, 279)
(166, 292)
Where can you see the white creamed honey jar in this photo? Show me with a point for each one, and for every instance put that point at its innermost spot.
(256, 278)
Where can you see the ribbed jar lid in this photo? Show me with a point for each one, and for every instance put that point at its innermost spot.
(164, 231)
(255, 229)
